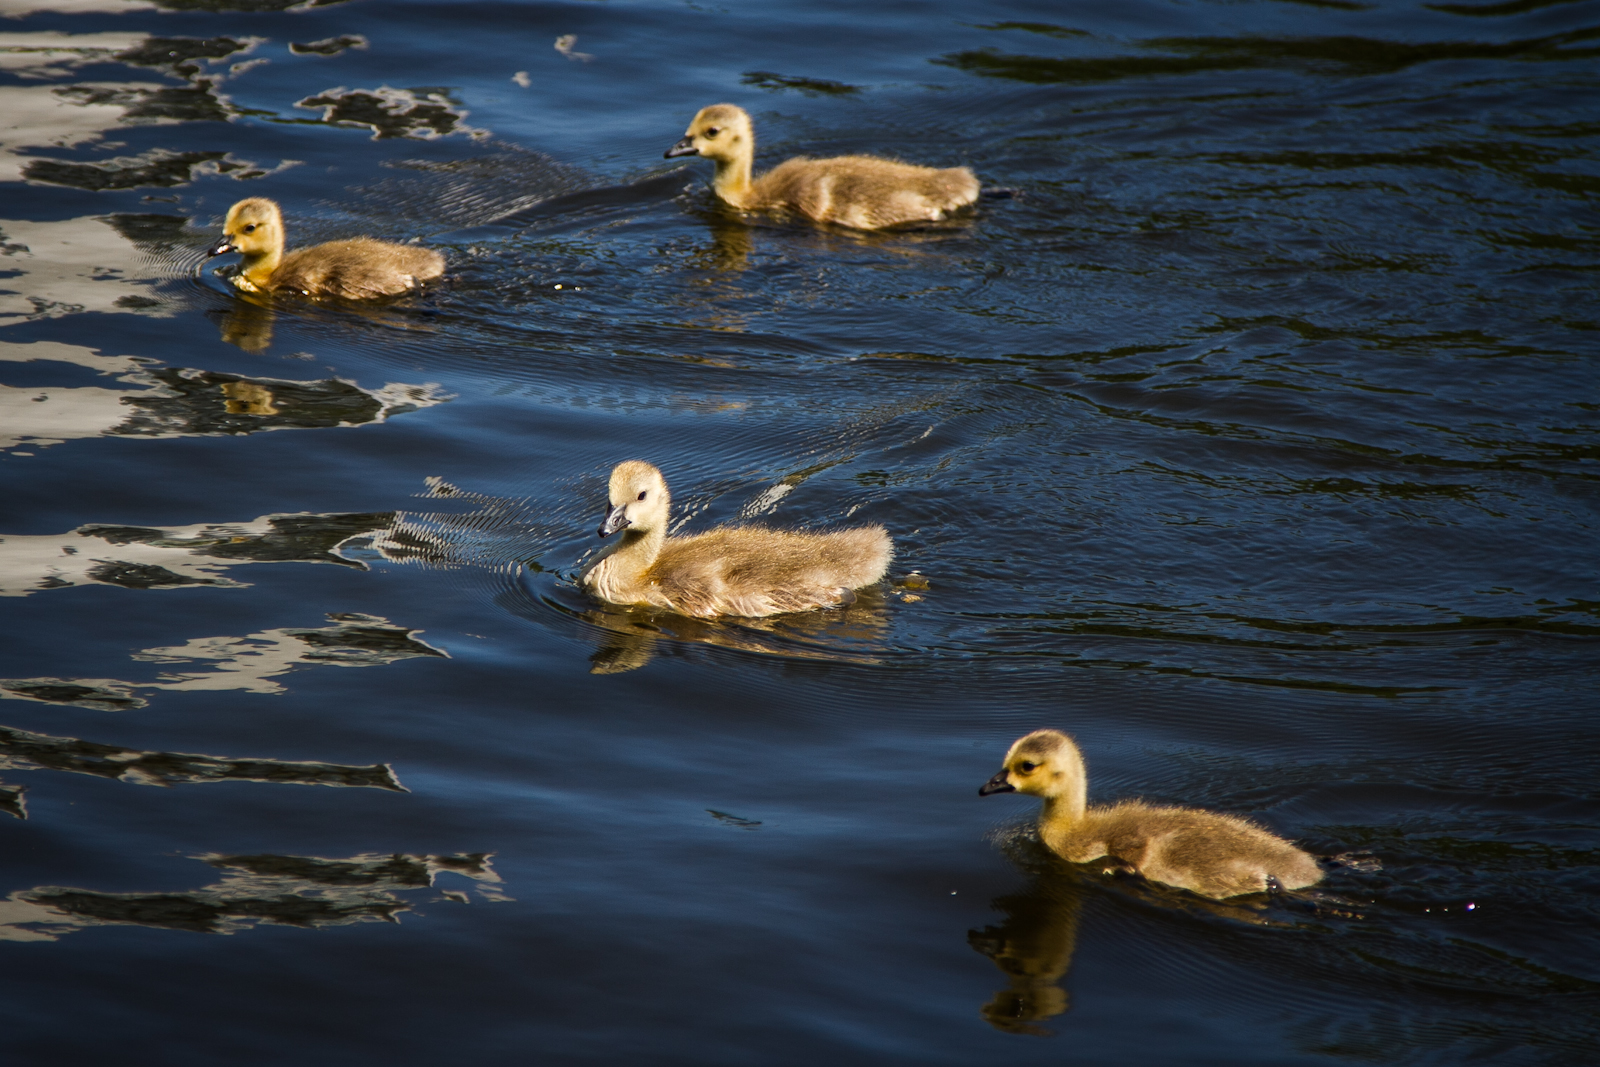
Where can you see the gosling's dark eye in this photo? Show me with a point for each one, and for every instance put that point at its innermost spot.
(250, 228)
(713, 131)
(641, 495)
(1025, 766)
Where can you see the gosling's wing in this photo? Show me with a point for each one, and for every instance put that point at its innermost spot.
(359, 268)
(751, 571)
(1214, 854)
(779, 601)
(867, 192)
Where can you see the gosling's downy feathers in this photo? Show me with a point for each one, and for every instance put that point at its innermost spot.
(865, 192)
(1212, 854)
(743, 570)
(356, 269)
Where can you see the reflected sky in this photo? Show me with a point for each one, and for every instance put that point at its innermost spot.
(140, 557)
(249, 664)
(23, 750)
(176, 402)
(308, 892)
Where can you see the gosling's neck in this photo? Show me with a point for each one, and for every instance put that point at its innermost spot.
(257, 267)
(637, 551)
(1066, 808)
(732, 180)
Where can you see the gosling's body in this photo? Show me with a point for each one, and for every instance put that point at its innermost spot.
(1209, 853)
(356, 269)
(863, 192)
(744, 570)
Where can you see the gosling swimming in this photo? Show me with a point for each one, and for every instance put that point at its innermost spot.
(742, 570)
(356, 269)
(1214, 855)
(863, 192)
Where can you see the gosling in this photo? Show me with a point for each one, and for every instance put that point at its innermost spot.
(357, 269)
(1214, 855)
(745, 570)
(863, 192)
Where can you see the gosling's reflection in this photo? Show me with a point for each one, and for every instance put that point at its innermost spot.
(1033, 947)
(248, 319)
(247, 323)
(304, 891)
(731, 243)
(627, 638)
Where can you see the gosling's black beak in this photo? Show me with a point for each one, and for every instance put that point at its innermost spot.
(997, 784)
(222, 247)
(684, 147)
(616, 519)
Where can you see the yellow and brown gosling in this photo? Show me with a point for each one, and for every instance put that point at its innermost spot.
(358, 269)
(864, 192)
(739, 570)
(1211, 854)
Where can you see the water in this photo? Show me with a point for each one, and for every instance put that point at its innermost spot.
(1254, 442)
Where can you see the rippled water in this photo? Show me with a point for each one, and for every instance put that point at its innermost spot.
(1254, 440)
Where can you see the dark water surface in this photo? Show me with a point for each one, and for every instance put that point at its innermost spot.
(1256, 441)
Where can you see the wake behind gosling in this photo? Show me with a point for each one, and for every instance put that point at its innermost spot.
(356, 269)
(1209, 853)
(863, 192)
(735, 570)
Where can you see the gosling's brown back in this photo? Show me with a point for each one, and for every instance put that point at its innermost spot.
(357, 269)
(1214, 854)
(754, 571)
(865, 192)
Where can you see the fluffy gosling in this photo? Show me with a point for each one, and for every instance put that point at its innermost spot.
(742, 570)
(864, 192)
(357, 269)
(1214, 855)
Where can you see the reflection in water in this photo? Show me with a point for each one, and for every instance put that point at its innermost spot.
(329, 46)
(420, 113)
(1033, 947)
(144, 557)
(53, 54)
(766, 79)
(11, 801)
(628, 637)
(240, 663)
(63, 116)
(212, 402)
(303, 891)
(250, 663)
(24, 751)
(732, 241)
(1342, 56)
(70, 266)
(178, 402)
(247, 323)
(247, 319)
(158, 167)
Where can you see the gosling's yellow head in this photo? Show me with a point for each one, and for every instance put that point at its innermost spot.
(639, 499)
(1045, 763)
(720, 132)
(253, 227)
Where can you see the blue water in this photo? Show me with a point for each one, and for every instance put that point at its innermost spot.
(1253, 441)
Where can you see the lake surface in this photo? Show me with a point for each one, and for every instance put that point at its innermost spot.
(1255, 441)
